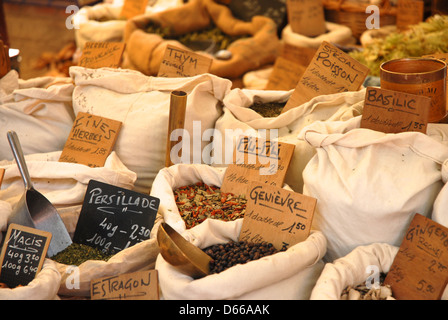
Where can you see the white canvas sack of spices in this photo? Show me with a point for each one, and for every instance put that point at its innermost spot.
(44, 286)
(39, 110)
(142, 104)
(288, 275)
(238, 115)
(369, 184)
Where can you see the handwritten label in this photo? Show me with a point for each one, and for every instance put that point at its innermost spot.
(420, 268)
(132, 8)
(277, 216)
(306, 17)
(330, 71)
(259, 160)
(114, 218)
(297, 54)
(91, 140)
(178, 62)
(102, 54)
(142, 285)
(285, 75)
(438, 56)
(23, 254)
(393, 112)
(5, 64)
(2, 174)
(409, 12)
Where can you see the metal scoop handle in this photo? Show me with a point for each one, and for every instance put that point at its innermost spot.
(20, 159)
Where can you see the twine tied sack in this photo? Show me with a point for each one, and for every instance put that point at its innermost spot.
(285, 275)
(40, 111)
(44, 286)
(369, 184)
(238, 115)
(144, 51)
(142, 104)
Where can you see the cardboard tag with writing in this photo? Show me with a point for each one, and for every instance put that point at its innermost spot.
(277, 216)
(102, 54)
(91, 140)
(393, 112)
(300, 55)
(306, 17)
(23, 254)
(4, 60)
(409, 12)
(420, 268)
(178, 62)
(141, 285)
(132, 8)
(439, 56)
(285, 75)
(259, 160)
(2, 174)
(330, 71)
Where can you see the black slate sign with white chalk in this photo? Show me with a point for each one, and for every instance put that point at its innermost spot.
(114, 218)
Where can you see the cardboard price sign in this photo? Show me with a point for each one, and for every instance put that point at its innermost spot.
(2, 174)
(114, 218)
(259, 160)
(330, 71)
(102, 54)
(306, 17)
(285, 75)
(178, 62)
(393, 112)
(420, 268)
(5, 62)
(132, 8)
(141, 285)
(91, 140)
(300, 55)
(23, 254)
(409, 12)
(277, 216)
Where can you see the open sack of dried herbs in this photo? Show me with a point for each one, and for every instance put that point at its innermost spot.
(251, 44)
(142, 104)
(253, 110)
(44, 286)
(369, 184)
(262, 272)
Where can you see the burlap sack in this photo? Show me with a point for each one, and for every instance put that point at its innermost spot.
(40, 111)
(142, 104)
(238, 115)
(144, 52)
(369, 184)
(44, 286)
(288, 275)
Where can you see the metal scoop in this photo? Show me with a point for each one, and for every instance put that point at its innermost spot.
(33, 209)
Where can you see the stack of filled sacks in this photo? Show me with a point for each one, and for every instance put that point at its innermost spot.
(145, 51)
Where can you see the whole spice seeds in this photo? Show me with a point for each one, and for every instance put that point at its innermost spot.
(268, 109)
(200, 201)
(362, 292)
(232, 253)
(75, 254)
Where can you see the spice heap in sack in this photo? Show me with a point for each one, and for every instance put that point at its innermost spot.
(200, 201)
(363, 292)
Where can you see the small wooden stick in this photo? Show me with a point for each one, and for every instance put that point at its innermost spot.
(178, 104)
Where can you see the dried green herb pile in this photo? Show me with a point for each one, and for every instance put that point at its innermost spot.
(268, 109)
(75, 254)
(232, 253)
(200, 201)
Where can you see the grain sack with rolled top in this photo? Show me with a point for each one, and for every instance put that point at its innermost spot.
(256, 42)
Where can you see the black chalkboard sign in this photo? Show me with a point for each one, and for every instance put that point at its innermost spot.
(23, 254)
(113, 218)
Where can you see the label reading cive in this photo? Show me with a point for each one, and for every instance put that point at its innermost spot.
(23, 254)
(114, 218)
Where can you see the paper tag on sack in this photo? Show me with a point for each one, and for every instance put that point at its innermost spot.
(178, 62)
(394, 112)
(277, 216)
(409, 12)
(259, 160)
(23, 254)
(420, 268)
(330, 71)
(297, 54)
(306, 17)
(102, 54)
(285, 75)
(2, 174)
(4, 60)
(132, 8)
(140, 285)
(91, 140)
